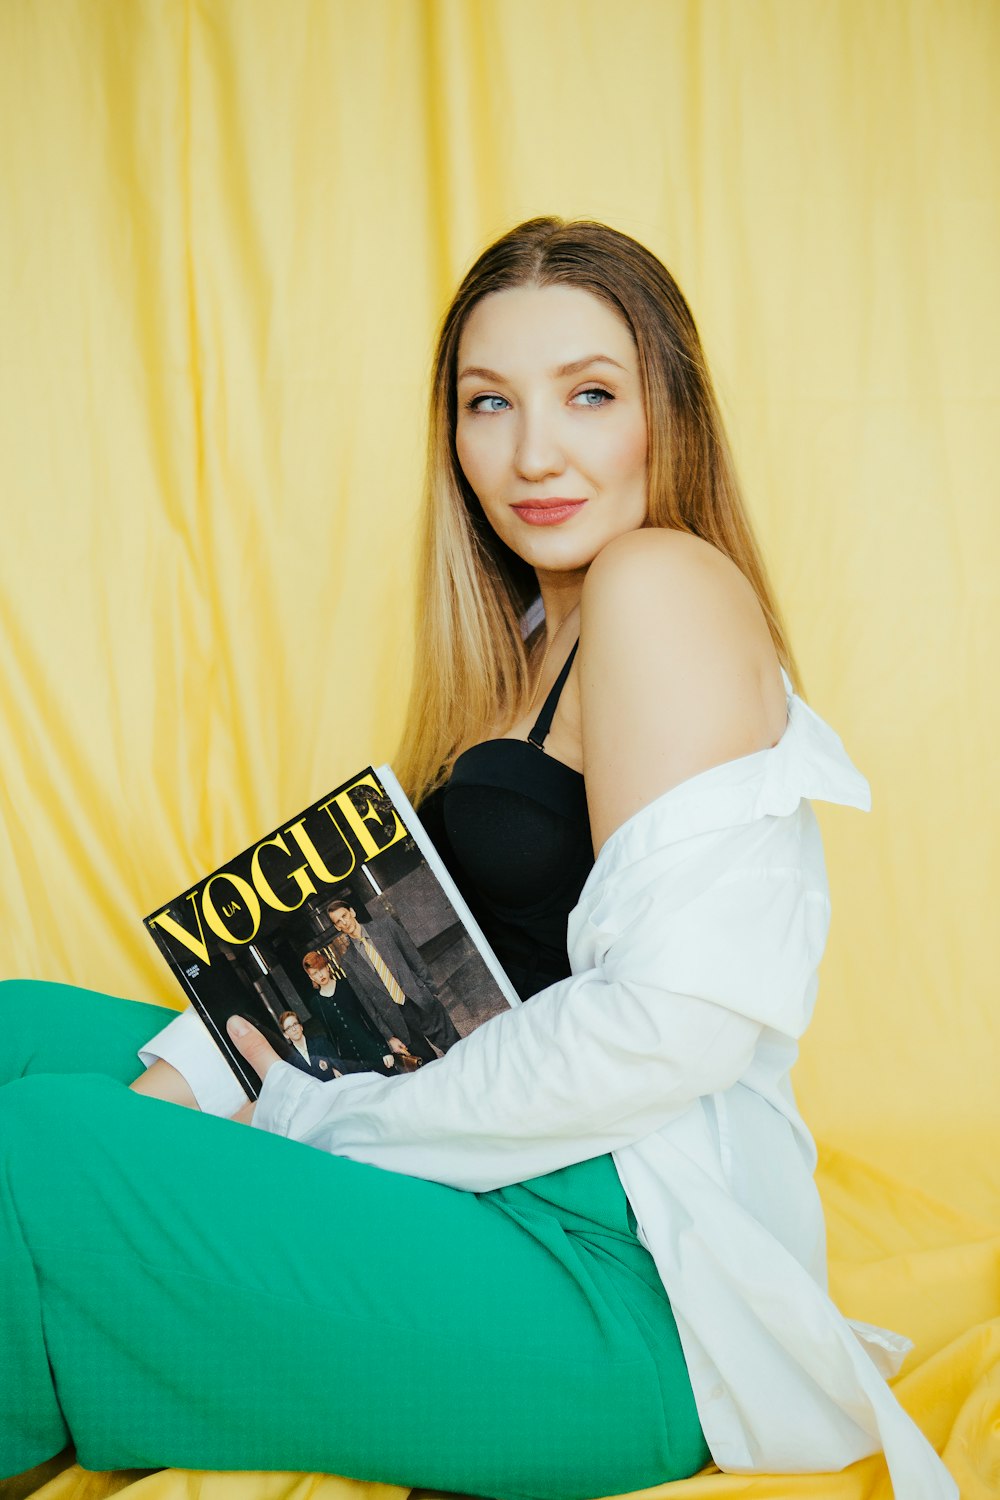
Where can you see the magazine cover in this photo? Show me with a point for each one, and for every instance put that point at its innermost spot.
(340, 936)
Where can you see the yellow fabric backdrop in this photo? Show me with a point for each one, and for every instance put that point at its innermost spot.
(228, 231)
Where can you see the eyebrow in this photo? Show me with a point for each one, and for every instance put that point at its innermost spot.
(572, 368)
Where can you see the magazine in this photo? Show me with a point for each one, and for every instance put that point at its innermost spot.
(341, 936)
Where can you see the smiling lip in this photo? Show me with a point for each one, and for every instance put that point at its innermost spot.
(547, 512)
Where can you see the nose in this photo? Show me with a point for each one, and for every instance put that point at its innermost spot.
(538, 454)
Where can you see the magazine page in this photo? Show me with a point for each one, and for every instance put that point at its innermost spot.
(341, 936)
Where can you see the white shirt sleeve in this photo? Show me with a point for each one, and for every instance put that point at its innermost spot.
(186, 1044)
(693, 952)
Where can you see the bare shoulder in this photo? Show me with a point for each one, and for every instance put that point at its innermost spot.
(655, 557)
(678, 672)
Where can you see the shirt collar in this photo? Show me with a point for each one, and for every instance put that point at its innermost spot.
(808, 761)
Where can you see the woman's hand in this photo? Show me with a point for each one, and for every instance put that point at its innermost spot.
(257, 1051)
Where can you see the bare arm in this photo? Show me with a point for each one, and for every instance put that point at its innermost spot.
(677, 671)
(162, 1081)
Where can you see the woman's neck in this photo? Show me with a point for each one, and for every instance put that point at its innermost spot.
(561, 594)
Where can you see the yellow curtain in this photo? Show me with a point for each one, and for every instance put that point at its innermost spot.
(228, 229)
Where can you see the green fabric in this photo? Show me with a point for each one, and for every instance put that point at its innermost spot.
(182, 1291)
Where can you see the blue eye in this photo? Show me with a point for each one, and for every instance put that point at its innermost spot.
(476, 404)
(473, 405)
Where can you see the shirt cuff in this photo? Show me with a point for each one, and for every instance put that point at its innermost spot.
(283, 1087)
(186, 1044)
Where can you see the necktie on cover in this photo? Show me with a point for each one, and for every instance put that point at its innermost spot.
(383, 972)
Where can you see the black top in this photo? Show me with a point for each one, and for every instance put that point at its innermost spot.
(511, 824)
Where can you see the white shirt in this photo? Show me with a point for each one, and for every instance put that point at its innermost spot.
(694, 950)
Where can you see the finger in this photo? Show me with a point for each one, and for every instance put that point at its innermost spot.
(251, 1045)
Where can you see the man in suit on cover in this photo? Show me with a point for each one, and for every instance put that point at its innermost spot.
(391, 978)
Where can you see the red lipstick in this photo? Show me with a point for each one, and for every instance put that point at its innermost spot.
(547, 512)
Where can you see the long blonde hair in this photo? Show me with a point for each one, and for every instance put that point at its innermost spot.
(472, 669)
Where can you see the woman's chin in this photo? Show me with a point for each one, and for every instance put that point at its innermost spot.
(566, 553)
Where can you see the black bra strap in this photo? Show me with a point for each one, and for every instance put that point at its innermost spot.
(543, 723)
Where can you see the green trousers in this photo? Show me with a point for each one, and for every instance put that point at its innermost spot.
(178, 1290)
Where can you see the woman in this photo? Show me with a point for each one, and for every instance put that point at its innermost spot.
(635, 1205)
